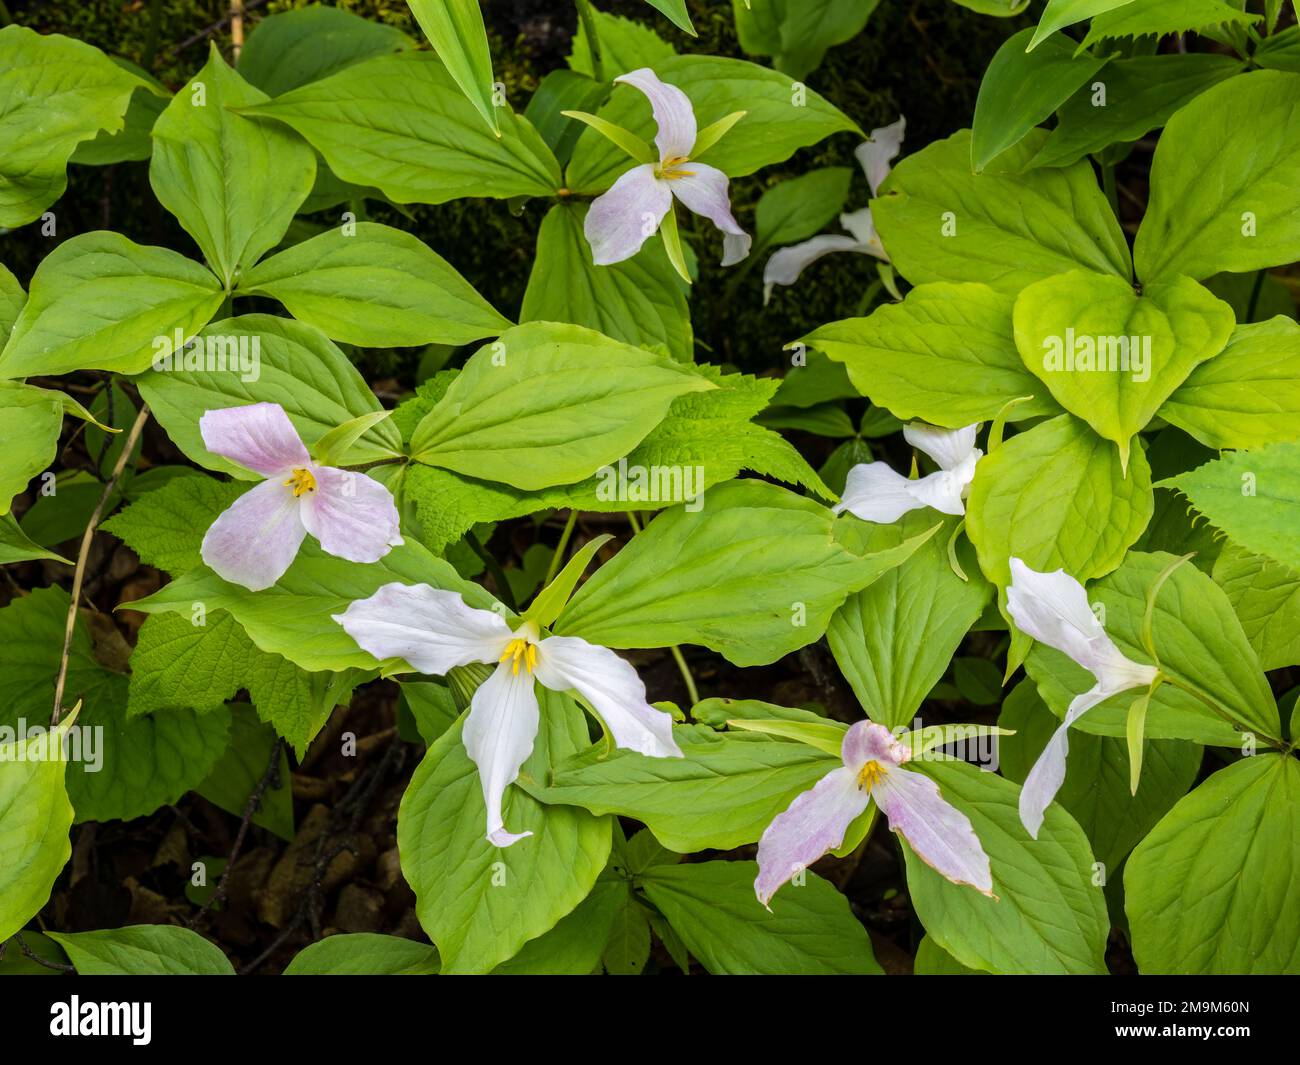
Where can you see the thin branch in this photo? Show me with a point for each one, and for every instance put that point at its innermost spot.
(31, 955)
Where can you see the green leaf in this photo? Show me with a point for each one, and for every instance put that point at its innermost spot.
(1210, 890)
(754, 575)
(639, 301)
(810, 929)
(624, 45)
(932, 960)
(1147, 18)
(1021, 88)
(1246, 396)
(99, 301)
(365, 283)
(996, 8)
(560, 91)
(798, 208)
(481, 904)
(401, 124)
(37, 816)
(364, 953)
(574, 946)
(771, 131)
(455, 29)
(1058, 14)
(257, 358)
(797, 33)
(12, 298)
(628, 946)
(239, 772)
(30, 422)
(1049, 917)
(548, 404)
(16, 546)
(945, 355)
(551, 599)
(232, 183)
(1265, 596)
(1216, 180)
(1110, 356)
(58, 92)
(940, 222)
(134, 141)
(143, 950)
(165, 527)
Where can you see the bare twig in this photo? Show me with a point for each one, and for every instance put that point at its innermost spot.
(237, 27)
(203, 34)
(31, 955)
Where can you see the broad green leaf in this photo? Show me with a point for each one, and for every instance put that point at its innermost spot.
(372, 285)
(233, 183)
(99, 301)
(575, 945)
(364, 953)
(810, 929)
(455, 29)
(239, 772)
(1110, 356)
(165, 527)
(1147, 18)
(1266, 598)
(893, 640)
(797, 33)
(292, 48)
(932, 960)
(401, 124)
(548, 404)
(563, 90)
(639, 301)
(37, 816)
(1220, 179)
(481, 904)
(940, 222)
(17, 546)
(675, 11)
(1049, 916)
(627, 948)
(257, 358)
(996, 8)
(30, 422)
(755, 574)
(1055, 496)
(802, 206)
(1058, 14)
(1252, 496)
(945, 355)
(1280, 51)
(1211, 889)
(58, 92)
(1021, 88)
(775, 125)
(624, 45)
(134, 141)
(143, 950)
(1246, 396)
(12, 298)
(1096, 791)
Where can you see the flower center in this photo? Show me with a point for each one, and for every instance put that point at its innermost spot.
(520, 650)
(301, 481)
(872, 774)
(671, 168)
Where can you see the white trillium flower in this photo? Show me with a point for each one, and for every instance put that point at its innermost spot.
(875, 155)
(1053, 609)
(622, 219)
(435, 630)
(875, 492)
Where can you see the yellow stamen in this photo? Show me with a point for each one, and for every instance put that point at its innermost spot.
(520, 650)
(301, 481)
(671, 168)
(872, 774)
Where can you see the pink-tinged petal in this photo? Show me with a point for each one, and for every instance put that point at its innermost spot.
(1048, 774)
(259, 437)
(938, 833)
(809, 827)
(499, 733)
(622, 219)
(863, 227)
(877, 154)
(256, 538)
(950, 448)
(785, 266)
(875, 492)
(703, 189)
(866, 741)
(352, 515)
(431, 628)
(614, 690)
(672, 110)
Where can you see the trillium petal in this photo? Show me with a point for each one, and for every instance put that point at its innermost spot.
(255, 539)
(1048, 774)
(866, 741)
(938, 833)
(499, 733)
(614, 690)
(944, 491)
(863, 227)
(875, 492)
(672, 111)
(259, 437)
(814, 823)
(950, 448)
(877, 154)
(703, 189)
(352, 515)
(622, 219)
(785, 266)
(431, 628)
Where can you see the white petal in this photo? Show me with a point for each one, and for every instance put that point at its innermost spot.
(703, 189)
(863, 228)
(498, 736)
(785, 266)
(431, 628)
(950, 448)
(875, 492)
(877, 154)
(256, 538)
(614, 690)
(1048, 774)
(672, 111)
(944, 491)
(622, 219)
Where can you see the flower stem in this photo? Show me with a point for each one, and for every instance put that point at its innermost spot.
(504, 592)
(588, 19)
(558, 558)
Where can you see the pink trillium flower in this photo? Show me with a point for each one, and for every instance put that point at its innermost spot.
(257, 537)
(875, 157)
(874, 492)
(625, 217)
(1053, 609)
(436, 630)
(815, 823)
